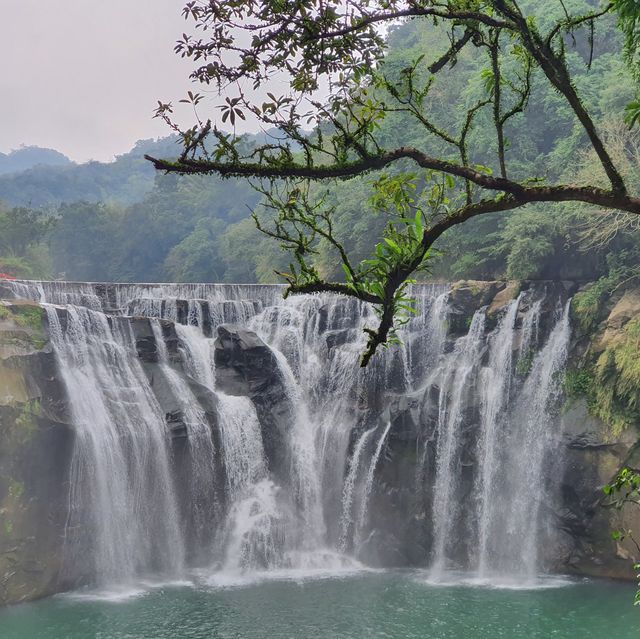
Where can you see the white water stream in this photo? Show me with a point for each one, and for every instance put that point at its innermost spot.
(140, 498)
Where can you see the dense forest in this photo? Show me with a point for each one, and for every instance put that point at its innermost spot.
(122, 221)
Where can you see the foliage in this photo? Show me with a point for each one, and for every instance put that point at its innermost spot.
(629, 18)
(126, 180)
(29, 316)
(501, 56)
(625, 489)
(21, 228)
(22, 233)
(116, 222)
(24, 424)
(17, 267)
(588, 305)
(28, 157)
(525, 362)
(195, 259)
(611, 383)
(578, 382)
(616, 384)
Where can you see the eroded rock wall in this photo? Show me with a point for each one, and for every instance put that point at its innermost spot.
(35, 450)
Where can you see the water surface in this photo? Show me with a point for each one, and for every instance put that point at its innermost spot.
(379, 605)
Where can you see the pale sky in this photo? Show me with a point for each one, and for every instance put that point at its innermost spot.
(83, 76)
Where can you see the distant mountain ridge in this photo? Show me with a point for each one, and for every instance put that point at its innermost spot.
(28, 157)
(45, 178)
(36, 177)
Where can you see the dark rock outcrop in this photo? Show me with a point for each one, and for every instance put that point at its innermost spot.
(247, 367)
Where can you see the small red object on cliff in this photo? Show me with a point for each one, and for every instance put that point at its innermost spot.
(6, 276)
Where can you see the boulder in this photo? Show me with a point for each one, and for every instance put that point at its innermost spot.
(245, 365)
(502, 298)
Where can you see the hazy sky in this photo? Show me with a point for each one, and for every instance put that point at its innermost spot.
(83, 76)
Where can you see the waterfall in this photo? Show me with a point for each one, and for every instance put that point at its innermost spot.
(304, 470)
(533, 416)
(249, 535)
(368, 486)
(455, 387)
(200, 469)
(349, 487)
(120, 472)
(247, 540)
(502, 522)
(438, 453)
(494, 388)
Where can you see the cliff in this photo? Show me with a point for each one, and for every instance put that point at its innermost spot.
(597, 426)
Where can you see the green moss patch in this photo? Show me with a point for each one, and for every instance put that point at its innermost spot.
(28, 320)
(611, 384)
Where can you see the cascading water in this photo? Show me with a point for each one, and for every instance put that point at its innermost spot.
(123, 502)
(250, 534)
(455, 387)
(533, 414)
(350, 486)
(368, 486)
(199, 470)
(495, 382)
(171, 474)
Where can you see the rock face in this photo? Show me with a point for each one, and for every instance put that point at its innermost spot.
(592, 459)
(466, 298)
(595, 452)
(246, 366)
(35, 449)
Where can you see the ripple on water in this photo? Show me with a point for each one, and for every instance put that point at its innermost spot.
(125, 592)
(495, 582)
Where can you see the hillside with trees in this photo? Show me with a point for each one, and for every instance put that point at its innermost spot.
(124, 221)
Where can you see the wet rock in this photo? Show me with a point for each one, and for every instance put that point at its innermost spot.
(592, 459)
(502, 299)
(35, 454)
(246, 366)
(335, 339)
(146, 341)
(465, 298)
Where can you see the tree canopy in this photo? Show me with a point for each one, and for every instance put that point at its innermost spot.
(340, 88)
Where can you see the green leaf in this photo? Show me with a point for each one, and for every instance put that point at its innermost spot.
(393, 245)
(632, 113)
(418, 225)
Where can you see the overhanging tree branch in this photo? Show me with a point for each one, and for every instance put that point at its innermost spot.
(343, 43)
